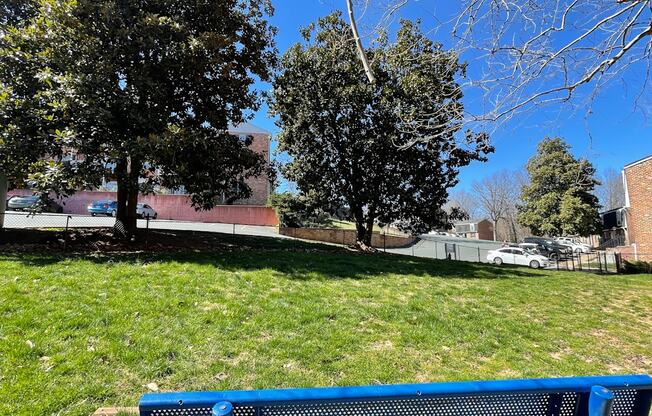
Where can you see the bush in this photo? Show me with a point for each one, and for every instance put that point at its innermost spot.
(294, 211)
(637, 267)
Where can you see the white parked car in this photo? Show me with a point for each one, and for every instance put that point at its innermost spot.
(515, 255)
(144, 211)
(575, 245)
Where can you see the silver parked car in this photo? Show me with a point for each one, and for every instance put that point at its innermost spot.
(31, 202)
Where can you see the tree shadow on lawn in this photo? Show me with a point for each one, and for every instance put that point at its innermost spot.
(294, 260)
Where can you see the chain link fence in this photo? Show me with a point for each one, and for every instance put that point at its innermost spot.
(426, 246)
(16, 221)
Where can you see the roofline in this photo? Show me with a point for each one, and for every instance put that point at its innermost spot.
(247, 128)
(636, 162)
(472, 221)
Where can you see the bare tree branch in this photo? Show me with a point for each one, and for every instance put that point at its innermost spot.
(358, 43)
(526, 54)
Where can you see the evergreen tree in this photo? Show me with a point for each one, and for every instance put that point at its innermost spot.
(559, 199)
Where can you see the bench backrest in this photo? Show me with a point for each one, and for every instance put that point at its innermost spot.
(584, 396)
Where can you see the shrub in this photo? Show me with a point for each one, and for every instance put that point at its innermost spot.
(294, 211)
(637, 267)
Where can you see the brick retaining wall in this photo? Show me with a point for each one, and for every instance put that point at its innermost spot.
(346, 237)
(173, 207)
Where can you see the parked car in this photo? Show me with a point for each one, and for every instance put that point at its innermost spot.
(109, 208)
(532, 248)
(511, 255)
(575, 245)
(31, 203)
(548, 247)
(145, 211)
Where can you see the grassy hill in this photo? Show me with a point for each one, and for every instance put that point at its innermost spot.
(80, 332)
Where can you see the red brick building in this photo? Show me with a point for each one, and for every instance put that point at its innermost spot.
(637, 177)
(478, 229)
(176, 205)
(260, 186)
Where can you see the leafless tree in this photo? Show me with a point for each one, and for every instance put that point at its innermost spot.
(611, 190)
(467, 202)
(525, 54)
(494, 195)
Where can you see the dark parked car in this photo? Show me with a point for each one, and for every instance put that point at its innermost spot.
(109, 208)
(548, 247)
(32, 203)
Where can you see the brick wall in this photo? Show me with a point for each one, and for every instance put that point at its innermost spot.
(485, 230)
(638, 179)
(173, 207)
(346, 237)
(260, 186)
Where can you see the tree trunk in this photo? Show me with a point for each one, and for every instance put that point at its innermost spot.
(370, 231)
(495, 222)
(3, 199)
(128, 172)
(364, 231)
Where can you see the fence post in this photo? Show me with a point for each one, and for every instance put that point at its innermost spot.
(233, 228)
(606, 263)
(573, 261)
(3, 198)
(600, 262)
(617, 259)
(436, 254)
(147, 232)
(65, 233)
(557, 262)
(479, 259)
(579, 259)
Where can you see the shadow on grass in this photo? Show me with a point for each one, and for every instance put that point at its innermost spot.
(292, 258)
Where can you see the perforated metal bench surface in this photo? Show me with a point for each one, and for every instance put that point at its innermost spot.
(584, 396)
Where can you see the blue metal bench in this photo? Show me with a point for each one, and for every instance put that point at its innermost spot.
(585, 396)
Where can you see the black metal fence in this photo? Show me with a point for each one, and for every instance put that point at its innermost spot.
(477, 252)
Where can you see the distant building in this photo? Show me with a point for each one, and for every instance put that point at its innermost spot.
(260, 186)
(175, 204)
(477, 229)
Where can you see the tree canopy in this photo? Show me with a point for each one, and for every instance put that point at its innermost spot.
(359, 144)
(143, 91)
(559, 200)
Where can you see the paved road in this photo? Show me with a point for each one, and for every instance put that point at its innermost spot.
(434, 246)
(22, 220)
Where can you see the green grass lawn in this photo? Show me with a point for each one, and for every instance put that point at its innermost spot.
(78, 333)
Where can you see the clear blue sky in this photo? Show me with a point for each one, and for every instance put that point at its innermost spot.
(611, 137)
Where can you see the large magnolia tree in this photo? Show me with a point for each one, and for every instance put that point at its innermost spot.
(144, 91)
(354, 143)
